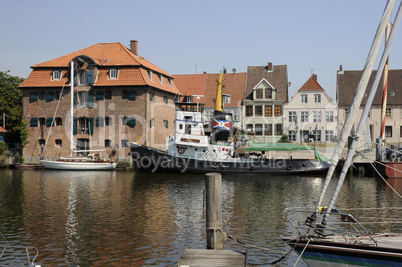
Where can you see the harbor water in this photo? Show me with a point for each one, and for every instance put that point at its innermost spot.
(123, 218)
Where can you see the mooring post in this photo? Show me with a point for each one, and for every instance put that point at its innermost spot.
(213, 186)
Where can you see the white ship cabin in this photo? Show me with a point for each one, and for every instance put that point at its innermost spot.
(190, 140)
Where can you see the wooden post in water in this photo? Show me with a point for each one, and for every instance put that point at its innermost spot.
(213, 186)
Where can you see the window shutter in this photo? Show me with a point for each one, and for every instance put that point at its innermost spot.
(49, 122)
(151, 96)
(99, 122)
(75, 99)
(167, 124)
(49, 96)
(75, 122)
(132, 95)
(34, 96)
(91, 99)
(75, 78)
(34, 122)
(91, 125)
(131, 122)
(91, 77)
(99, 95)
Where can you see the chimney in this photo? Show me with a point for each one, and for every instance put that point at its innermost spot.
(269, 67)
(134, 47)
(340, 68)
(315, 77)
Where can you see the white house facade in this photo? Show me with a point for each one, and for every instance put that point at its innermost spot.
(311, 115)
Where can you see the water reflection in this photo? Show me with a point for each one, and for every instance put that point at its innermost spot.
(131, 219)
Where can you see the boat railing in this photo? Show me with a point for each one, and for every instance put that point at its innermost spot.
(17, 251)
(343, 223)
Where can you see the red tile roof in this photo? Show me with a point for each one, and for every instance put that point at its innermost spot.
(2, 130)
(206, 85)
(311, 85)
(132, 69)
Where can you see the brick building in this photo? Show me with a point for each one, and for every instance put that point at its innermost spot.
(204, 87)
(118, 97)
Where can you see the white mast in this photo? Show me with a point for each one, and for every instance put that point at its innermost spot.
(357, 99)
(364, 117)
(72, 108)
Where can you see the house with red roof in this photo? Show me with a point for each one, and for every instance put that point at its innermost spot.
(119, 97)
(311, 114)
(202, 88)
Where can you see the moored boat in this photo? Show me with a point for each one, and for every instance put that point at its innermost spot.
(191, 150)
(333, 238)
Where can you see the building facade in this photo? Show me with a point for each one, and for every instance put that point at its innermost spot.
(266, 93)
(118, 97)
(347, 82)
(202, 88)
(311, 114)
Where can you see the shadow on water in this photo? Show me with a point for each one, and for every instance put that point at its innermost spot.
(137, 219)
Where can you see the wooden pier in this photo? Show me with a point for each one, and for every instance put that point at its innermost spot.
(214, 255)
(212, 258)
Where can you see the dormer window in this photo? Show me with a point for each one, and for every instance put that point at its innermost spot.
(226, 99)
(150, 75)
(83, 78)
(170, 82)
(161, 78)
(113, 74)
(56, 75)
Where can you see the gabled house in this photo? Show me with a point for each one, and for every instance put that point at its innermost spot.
(118, 97)
(347, 81)
(266, 92)
(311, 114)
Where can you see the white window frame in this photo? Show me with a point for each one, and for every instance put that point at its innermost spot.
(317, 116)
(292, 136)
(304, 116)
(292, 116)
(304, 98)
(329, 135)
(56, 75)
(226, 99)
(329, 116)
(317, 98)
(113, 74)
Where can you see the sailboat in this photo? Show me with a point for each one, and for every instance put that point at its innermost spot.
(330, 237)
(92, 161)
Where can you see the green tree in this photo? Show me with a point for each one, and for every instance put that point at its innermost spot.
(11, 100)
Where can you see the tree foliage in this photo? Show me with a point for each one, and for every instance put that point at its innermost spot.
(11, 100)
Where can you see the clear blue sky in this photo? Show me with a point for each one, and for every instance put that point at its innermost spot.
(183, 37)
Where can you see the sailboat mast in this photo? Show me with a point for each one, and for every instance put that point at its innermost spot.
(364, 117)
(385, 88)
(357, 99)
(71, 108)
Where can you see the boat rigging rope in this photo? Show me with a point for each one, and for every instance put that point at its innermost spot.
(8, 244)
(302, 252)
(226, 236)
(54, 116)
